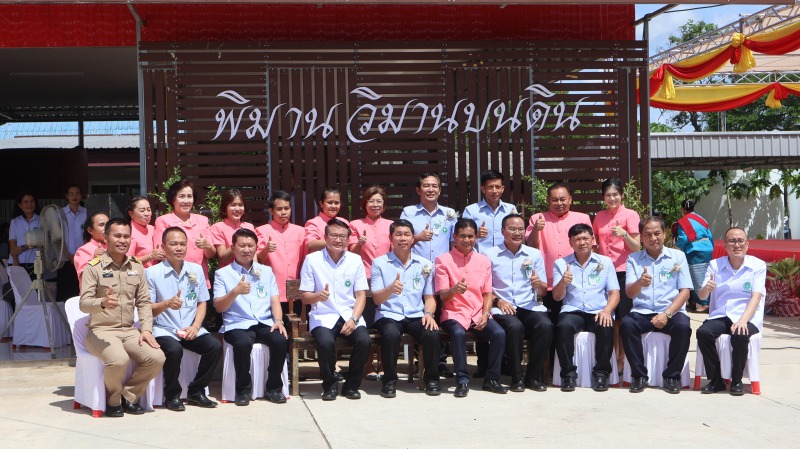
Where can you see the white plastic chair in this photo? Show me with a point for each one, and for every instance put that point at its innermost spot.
(259, 361)
(584, 359)
(155, 389)
(30, 328)
(5, 308)
(724, 349)
(656, 356)
(90, 389)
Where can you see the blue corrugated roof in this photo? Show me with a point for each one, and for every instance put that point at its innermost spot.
(43, 129)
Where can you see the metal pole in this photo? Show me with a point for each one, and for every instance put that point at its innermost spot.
(644, 122)
(140, 89)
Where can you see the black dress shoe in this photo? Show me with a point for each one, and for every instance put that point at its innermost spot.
(568, 384)
(340, 376)
(535, 385)
(200, 400)
(114, 411)
(461, 391)
(174, 404)
(737, 389)
(131, 407)
(242, 399)
(330, 394)
(600, 382)
(517, 387)
(639, 384)
(480, 373)
(432, 388)
(445, 372)
(672, 386)
(351, 394)
(714, 386)
(494, 386)
(275, 396)
(389, 390)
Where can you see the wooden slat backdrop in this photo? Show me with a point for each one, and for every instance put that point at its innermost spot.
(182, 82)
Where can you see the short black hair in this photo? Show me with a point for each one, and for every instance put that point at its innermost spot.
(424, 175)
(172, 229)
(462, 223)
(74, 185)
(243, 233)
(278, 195)
(490, 175)
(336, 222)
(172, 191)
(612, 183)
(652, 218)
(401, 223)
(559, 185)
(90, 224)
(509, 217)
(579, 228)
(326, 191)
(116, 221)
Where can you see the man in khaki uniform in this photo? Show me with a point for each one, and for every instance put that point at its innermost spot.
(112, 286)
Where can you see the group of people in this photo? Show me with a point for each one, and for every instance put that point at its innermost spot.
(487, 272)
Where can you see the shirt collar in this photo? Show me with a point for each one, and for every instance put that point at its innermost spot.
(504, 248)
(501, 206)
(421, 208)
(327, 255)
(241, 270)
(457, 254)
(395, 260)
(556, 218)
(279, 227)
(592, 258)
(665, 253)
(169, 270)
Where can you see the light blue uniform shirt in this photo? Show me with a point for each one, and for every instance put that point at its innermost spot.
(440, 225)
(75, 223)
(252, 308)
(483, 212)
(511, 276)
(670, 273)
(416, 283)
(589, 289)
(736, 287)
(344, 279)
(164, 283)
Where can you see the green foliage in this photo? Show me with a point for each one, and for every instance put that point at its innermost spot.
(786, 270)
(211, 204)
(161, 194)
(670, 188)
(691, 30)
(660, 128)
(538, 196)
(757, 116)
(632, 198)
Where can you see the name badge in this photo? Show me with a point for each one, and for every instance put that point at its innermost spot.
(133, 273)
(108, 274)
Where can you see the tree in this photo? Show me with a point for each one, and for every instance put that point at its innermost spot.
(757, 116)
(670, 188)
(660, 128)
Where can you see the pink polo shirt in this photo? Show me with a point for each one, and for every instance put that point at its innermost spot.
(476, 268)
(195, 228)
(143, 236)
(610, 245)
(378, 242)
(315, 229)
(289, 253)
(221, 233)
(553, 239)
(84, 254)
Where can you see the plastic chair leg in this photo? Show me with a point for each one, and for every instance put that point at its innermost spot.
(696, 382)
(755, 387)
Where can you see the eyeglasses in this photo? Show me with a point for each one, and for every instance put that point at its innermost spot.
(733, 242)
(335, 237)
(376, 202)
(516, 230)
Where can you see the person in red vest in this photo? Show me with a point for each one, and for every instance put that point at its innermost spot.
(694, 238)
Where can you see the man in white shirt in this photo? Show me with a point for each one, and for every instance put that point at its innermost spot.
(66, 277)
(737, 286)
(333, 281)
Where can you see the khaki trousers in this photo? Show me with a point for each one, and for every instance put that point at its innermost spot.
(116, 348)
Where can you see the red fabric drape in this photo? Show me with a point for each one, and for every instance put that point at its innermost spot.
(786, 44)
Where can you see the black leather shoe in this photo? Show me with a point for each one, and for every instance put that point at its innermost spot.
(461, 391)
(600, 382)
(639, 384)
(445, 372)
(200, 400)
(672, 386)
(517, 387)
(275, 396)
(568, 384)
(714, 386)
(174, 404)
(340, 376)
(351, 394)
(432, 388)
(131, 408)
(480, 373)
(737, 389)
(114, 411)
(330, 394)
(494, 386)
(389, 390)
(242, 399)
(535, 385)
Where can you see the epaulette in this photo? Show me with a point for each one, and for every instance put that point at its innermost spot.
(134, 259)
(94, 261)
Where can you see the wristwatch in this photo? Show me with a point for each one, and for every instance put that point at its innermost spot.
(355, 319)
(625, 235)
(669, 314)
(430, 314)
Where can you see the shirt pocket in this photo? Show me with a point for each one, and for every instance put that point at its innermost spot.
(105, 284)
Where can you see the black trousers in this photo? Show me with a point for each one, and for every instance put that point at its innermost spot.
(707, 336)
(242, 341)
(458, 346)
(625, 304)
(537, 328)
(569, 324)
(207, 346)
(67, 282)
(392, 330)
(326, 354)
(678, 328)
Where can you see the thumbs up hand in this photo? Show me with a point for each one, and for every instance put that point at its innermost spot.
(243, 287)
(539, 223)
(461, 287)
(711, 285)
(535, 281)
(175, 302)
(646, 279)
(483, 231)
(324, 294)
(110, 301)
(567, 278)
(618, 230)
(271, 246)
(99, 251)
(426, 235)
(362, 239)
(397, 286)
